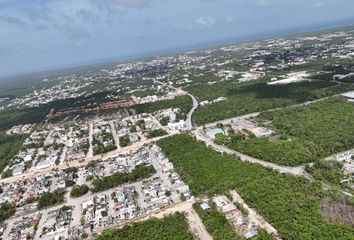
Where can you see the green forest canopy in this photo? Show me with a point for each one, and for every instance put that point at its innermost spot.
(172, 227)
(9, 146)
(314, 131)
(291, 204)
(257, 96)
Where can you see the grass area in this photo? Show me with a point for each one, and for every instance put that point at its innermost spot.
(172, 227)
(216, 223)
(312, 132)
(291, 204)
(257, 96)
(9, 146)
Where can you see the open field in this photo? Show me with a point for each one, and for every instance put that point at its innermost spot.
(291, 204)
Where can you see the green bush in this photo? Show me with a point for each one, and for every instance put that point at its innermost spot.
(78, 191)
(140, 172)
(6, 211)
(50, 199)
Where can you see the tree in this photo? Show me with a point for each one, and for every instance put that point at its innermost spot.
(164, 121)
(78, 191)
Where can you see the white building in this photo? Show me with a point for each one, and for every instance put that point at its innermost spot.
(177, 126)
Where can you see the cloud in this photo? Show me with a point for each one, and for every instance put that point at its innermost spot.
(14, 21)
(206, 21)
(5, 50)
(135, 3)
(229, 20)
(72, 31)
(21, 24)
(264, 3)
(317, 4)
(107, 4)
(87, 16)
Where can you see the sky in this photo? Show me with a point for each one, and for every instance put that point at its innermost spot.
(47, 34)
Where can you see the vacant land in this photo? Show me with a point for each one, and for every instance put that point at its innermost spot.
(173, 227)
(257, 96)
(309, 133)
(337, 210)
(291, 204)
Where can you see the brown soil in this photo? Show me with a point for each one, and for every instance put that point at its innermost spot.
(337, 210)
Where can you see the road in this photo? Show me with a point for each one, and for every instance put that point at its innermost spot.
(196, 225)
(90, 151)
(253, 215)
(298, 171)
(194, 222)
(85, 161)
(199, 134)
(190, 120)
(114, 134)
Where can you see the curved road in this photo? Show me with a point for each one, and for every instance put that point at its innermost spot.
(200, 136)
(297, 171)
(190, 120)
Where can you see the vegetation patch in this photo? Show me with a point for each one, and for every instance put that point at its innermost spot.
(216, 223)
(156, 133)
(6, 211)
(172, 227)
(9, 146)
(50, 199)
(78, 191)
(291, 204)
(256, 96)
(327, 171)
(140, 172)
(314, 131)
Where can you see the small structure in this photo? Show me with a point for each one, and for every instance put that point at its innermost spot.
(349, 96)
(204, 206)
(43, 164)
(250, 234)
(211, 133)
(17, 170)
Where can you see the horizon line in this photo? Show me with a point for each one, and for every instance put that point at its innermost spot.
(192, 47)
